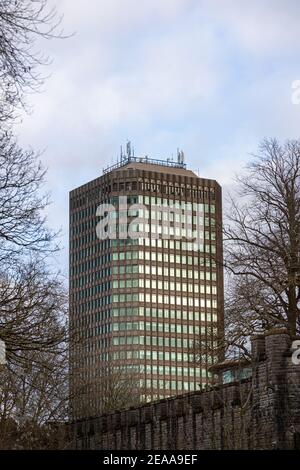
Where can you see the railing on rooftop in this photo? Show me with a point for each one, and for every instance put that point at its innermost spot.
(152, 161)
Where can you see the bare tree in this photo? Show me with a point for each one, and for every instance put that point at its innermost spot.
(32, 305)
(34, 402)
(262, 244)
(113, 387)
(262, 253)
(22, 224)
(33, 383)
(120, 388)
(32, 311)
(22, 23)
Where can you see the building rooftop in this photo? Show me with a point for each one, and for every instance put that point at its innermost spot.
(125, 159)
(151, 164)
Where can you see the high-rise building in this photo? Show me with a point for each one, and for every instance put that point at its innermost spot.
(146, 281)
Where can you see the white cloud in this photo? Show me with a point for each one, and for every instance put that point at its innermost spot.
(261, 27)
(97, 90)
(211, 76)
(115, 16)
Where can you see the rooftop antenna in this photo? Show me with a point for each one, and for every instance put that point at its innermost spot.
(128, 148)
(180, 157)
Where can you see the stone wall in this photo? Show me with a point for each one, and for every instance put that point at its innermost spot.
(261, 412)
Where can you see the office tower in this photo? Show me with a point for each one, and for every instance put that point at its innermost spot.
(146, 280)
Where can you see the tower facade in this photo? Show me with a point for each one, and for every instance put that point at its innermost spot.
(146, 284)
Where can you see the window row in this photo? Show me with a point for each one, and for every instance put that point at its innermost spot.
(165, 285)
(165, 341)
(162, 327)
(165, 202)
(160, 257)
(155, 213)
(88, 305)
(88, 292)
(168, 244)
(163, 313)
(165, 299)
(154, 270)
(88, 252)
(169, 385)
(175, 370)
(156, 356)
(90, 211)
(87, 266)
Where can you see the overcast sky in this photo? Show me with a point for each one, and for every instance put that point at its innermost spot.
(211, 77)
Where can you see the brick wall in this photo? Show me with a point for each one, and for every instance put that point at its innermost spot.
(262, 412)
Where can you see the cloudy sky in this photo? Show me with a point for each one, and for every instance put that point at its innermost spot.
(212, 77)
